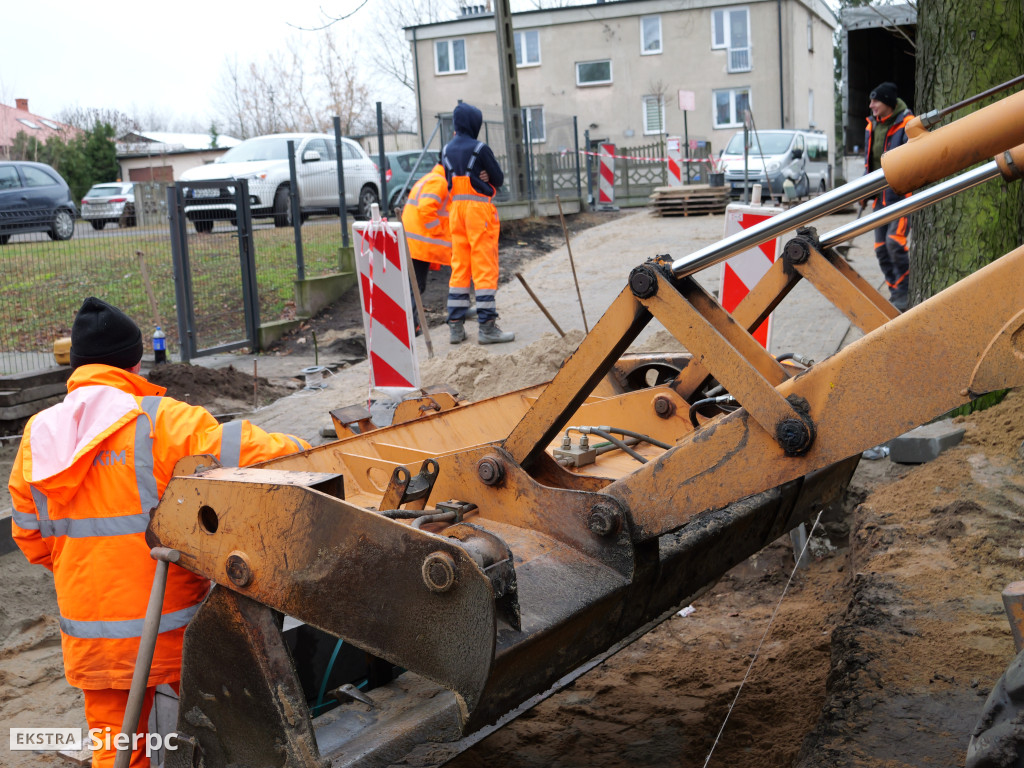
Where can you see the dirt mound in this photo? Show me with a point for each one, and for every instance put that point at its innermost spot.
(476, 374)
(218, 389)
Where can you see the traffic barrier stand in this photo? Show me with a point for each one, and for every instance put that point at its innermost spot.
(674, 161)
(382, 263)
(606, 179)
(744, 270)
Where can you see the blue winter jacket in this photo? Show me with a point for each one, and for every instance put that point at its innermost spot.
(458, 153)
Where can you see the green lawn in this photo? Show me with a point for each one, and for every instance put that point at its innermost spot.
(44, 282)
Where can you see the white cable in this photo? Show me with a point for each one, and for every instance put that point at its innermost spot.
(764, 637)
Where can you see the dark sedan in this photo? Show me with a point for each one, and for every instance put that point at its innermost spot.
(34, 198)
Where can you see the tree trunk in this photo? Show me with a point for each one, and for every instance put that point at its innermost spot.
(965, 47)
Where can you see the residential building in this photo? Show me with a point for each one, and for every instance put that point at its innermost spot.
(624, 68)
(18, 119)
(160, 156)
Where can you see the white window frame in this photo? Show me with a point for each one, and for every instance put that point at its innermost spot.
(543, 129)
(451, 57)
(609, 81)
(643, 37)
(520, 37)
(736, 120)
(648, 130)
(739, 59)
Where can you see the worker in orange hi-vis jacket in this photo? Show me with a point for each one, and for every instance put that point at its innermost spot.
(88, 473)
(425, 220)
(474, 177)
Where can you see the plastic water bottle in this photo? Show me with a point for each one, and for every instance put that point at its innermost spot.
(159, 346)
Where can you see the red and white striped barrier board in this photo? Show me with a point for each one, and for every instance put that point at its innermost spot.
(382, 263)
(743, 271)
(606, 174)
(674, 150)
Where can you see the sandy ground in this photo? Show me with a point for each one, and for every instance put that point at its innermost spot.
(880, 654)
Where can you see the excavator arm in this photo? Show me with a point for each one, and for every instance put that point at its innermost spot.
(490, 549)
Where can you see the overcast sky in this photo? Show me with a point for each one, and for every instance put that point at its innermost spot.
(151, 58)
(141, 57)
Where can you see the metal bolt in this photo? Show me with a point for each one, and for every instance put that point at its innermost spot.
(490, 470)
(643, 282)
(664, 407)
(604, 520)
(797, 251)
(439, 572)
(238, 569)
(794, 435)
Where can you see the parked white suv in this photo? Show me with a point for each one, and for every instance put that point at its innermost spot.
(264, 162)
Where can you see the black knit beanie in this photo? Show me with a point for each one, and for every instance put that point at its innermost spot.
(887, 94)
(104, 334)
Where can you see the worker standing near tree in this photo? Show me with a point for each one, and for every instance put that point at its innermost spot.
(474, 177)
(88, 473)
(425, 221)
(887, 130)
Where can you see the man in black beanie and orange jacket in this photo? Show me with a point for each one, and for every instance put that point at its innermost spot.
(887, 130)
(88, 473)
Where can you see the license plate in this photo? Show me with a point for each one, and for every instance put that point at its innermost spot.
(205, 193)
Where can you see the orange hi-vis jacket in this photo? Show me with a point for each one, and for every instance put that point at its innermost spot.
(425, 219)
(88, 473)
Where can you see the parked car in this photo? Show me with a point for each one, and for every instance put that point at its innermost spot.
(264, 162)
(400, 178)
(34, 198)
(111, 203)
(800, 156)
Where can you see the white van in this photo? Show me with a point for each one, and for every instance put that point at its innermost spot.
(800, 156)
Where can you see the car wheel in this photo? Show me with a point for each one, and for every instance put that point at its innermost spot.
(4, 239)
(282, 207)
(129, 212)
(98, 223)
(399, 204)
(63, 226)
(367, 197)
(203, 225)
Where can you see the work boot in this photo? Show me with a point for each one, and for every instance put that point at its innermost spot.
(456, 332)
(490, 333)
(900, 300)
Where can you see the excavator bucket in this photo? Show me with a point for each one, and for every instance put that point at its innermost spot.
(475, 554)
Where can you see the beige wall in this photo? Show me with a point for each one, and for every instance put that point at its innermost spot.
(178, 162)
(687, 62)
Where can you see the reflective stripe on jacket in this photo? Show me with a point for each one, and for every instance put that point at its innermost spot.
(88, 473)
(895, 136)
(425, 219)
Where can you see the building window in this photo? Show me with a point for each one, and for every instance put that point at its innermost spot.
(810, 109)
(650, 35)
(449, 56)
(527, 48)
(533, 120)
(654, 115)
(730, 29)
(810, 34)
(593, 72)
(730, 107)
(28, 123)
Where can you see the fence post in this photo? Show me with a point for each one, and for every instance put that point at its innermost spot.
(293, 193)
(590, 179)
(342, 212)
(182, 289)
(384, 206)
(576, 146)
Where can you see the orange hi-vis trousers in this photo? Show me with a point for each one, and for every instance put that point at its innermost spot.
(474, 230)
(104, 711)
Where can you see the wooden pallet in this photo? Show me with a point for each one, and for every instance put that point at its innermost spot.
(692, 200)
